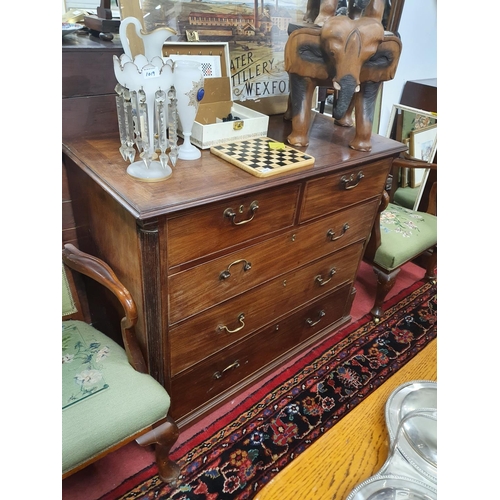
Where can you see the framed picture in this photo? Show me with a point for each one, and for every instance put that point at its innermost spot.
(405, 119)
(418, 130)
(255, 32)
(423, 143)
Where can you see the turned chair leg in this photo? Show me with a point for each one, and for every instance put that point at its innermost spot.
(430, 273)
(163, 437)
(385, 282)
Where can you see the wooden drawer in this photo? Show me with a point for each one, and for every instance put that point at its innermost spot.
(218, 373)
(335, 192)
(211, 229)
(201, 287)
(201, 336)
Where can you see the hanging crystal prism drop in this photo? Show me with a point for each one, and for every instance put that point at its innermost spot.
(161, 125)
(144, 127)
(129, 120)
(129, 124)
(135, 121)
(122, 127)
(172, 126)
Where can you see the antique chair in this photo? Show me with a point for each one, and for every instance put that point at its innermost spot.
(108, 398)
(402, 192)
(400, 235)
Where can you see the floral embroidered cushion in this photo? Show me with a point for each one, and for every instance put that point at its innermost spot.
(404, 234)
(106, 399)
(82, 365)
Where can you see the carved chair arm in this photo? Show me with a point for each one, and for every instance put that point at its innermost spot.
(407, 161)
(99, 271)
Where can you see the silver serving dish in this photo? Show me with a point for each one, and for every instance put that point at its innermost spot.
(418, 440)
(392, 487)
(410, 471)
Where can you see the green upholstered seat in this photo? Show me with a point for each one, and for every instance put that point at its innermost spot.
(404, 234)
(406, 196)
(104, 399)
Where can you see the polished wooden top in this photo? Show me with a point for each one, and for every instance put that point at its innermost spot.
(353, 450)
(210, 179)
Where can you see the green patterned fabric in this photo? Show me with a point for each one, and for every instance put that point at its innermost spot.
(68, 304)
(82, 365)
(404, 234)
(131, 402)
(406, 197)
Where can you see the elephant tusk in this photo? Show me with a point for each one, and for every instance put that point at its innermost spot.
(336, 86)
(357, 88)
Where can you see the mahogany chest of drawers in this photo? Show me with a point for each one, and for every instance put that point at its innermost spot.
(233, 274)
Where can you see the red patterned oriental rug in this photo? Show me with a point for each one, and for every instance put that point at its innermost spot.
(242, 450)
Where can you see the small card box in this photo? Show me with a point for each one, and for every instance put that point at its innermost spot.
(209, 129)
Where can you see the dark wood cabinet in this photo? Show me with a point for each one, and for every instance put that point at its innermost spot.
(421, 94)
(221, 304)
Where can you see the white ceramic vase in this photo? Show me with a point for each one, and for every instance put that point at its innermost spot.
(188, 84)
(142, 77)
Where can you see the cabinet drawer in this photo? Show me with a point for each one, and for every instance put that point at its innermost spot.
(218, 373)
(201, 287)
(218, 327)
(223, 225)
(334, 192)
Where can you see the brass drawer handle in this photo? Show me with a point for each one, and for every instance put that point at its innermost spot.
(232, 366)
(241, 317)
(331, 232)
(347, 182)
(323, 282)
(310, 322)
(231, 214)
(224, 275)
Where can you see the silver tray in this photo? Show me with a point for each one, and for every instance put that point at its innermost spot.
(392, 487)
(418, 439)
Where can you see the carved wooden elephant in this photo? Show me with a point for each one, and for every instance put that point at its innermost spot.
(351, 55)
(318, 10)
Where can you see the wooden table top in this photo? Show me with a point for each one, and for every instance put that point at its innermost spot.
(210, 179)
(354, 449)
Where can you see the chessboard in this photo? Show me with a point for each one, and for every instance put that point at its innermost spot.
(262, 156)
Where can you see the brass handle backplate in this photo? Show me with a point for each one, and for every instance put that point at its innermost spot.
(323, 282)
(232, 366)
(231, 214)
(241, 317)
(352, 181)
(331, 232)
(310, 322)
(224, 275)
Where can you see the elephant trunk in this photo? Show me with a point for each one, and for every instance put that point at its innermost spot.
(348, 85)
